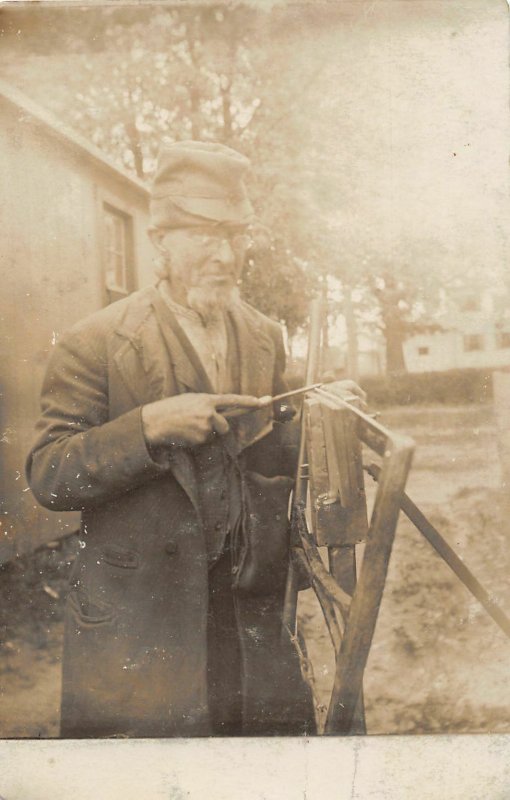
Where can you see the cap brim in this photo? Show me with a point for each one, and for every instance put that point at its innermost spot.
(170, 211)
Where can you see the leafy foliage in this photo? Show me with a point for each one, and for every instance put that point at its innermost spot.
(324, 103)
(194, 72)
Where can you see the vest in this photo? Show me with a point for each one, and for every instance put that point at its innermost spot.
(217, 472)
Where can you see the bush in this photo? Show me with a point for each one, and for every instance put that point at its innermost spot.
(456, 386)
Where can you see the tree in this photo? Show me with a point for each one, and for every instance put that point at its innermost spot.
(196, 71)
(308, 93)
(405, 298)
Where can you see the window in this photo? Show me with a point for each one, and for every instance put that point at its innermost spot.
(502, 339)
(423, 351)
(472, 342)
(470, 303)
(118, 253)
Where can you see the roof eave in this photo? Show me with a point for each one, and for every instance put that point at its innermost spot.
(64, 133)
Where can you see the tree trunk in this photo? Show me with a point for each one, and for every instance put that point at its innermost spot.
(394, 348)
(194, 97)
(227, 78)
(136, 146)
(352, 335)
(193, 34)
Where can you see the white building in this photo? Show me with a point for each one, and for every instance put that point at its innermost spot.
(476, 334)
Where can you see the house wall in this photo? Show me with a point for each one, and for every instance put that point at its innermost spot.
(442, 352)
(51, 267)
(446, 350)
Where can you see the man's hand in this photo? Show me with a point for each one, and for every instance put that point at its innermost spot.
(350, 387)
(190, 419)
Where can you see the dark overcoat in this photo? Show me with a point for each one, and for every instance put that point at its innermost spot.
(135, 654)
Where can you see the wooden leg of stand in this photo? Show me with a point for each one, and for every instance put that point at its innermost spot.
(342, 564)
(290, 603)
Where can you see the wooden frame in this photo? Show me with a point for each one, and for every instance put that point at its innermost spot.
(334, 430)
(116, 291)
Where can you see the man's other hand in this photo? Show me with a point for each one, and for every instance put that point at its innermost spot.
(350, 387)
(190, 419)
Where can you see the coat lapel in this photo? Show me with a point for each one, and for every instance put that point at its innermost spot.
(256, 354)
(148, 361)
(144, 365)
(257, 360)
(154, 364)
(157, 360)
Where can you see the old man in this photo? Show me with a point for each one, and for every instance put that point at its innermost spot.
(174, 611)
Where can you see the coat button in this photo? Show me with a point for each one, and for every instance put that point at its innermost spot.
(218, 526)
(171, 548)
(235, 570)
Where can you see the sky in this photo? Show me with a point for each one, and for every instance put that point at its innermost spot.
(417, 149)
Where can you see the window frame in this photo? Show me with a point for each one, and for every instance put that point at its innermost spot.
(111, 205)
(471, 304)
(500, 337)
(470, 348)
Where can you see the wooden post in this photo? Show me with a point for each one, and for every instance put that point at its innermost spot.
(342, 565)
(355, 647)
(324, 351)
(301, 485)
(337, 499)
(501, 389)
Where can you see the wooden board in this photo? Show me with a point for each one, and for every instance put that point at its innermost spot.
(337, 495)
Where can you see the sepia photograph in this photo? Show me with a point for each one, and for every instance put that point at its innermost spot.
(255, 392)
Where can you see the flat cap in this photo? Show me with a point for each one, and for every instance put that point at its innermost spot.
(197, 182)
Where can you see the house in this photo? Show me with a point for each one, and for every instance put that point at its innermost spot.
(73, 239)
(476, 334)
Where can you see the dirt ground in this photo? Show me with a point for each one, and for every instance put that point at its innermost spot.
(438, 662)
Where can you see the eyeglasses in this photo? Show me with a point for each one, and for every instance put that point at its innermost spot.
(212, 238)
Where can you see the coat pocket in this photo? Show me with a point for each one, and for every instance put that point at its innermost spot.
(120, 557)
(87, 610)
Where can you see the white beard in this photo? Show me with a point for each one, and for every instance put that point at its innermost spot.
(211, 303)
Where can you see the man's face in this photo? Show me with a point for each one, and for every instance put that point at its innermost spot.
(204, 264)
